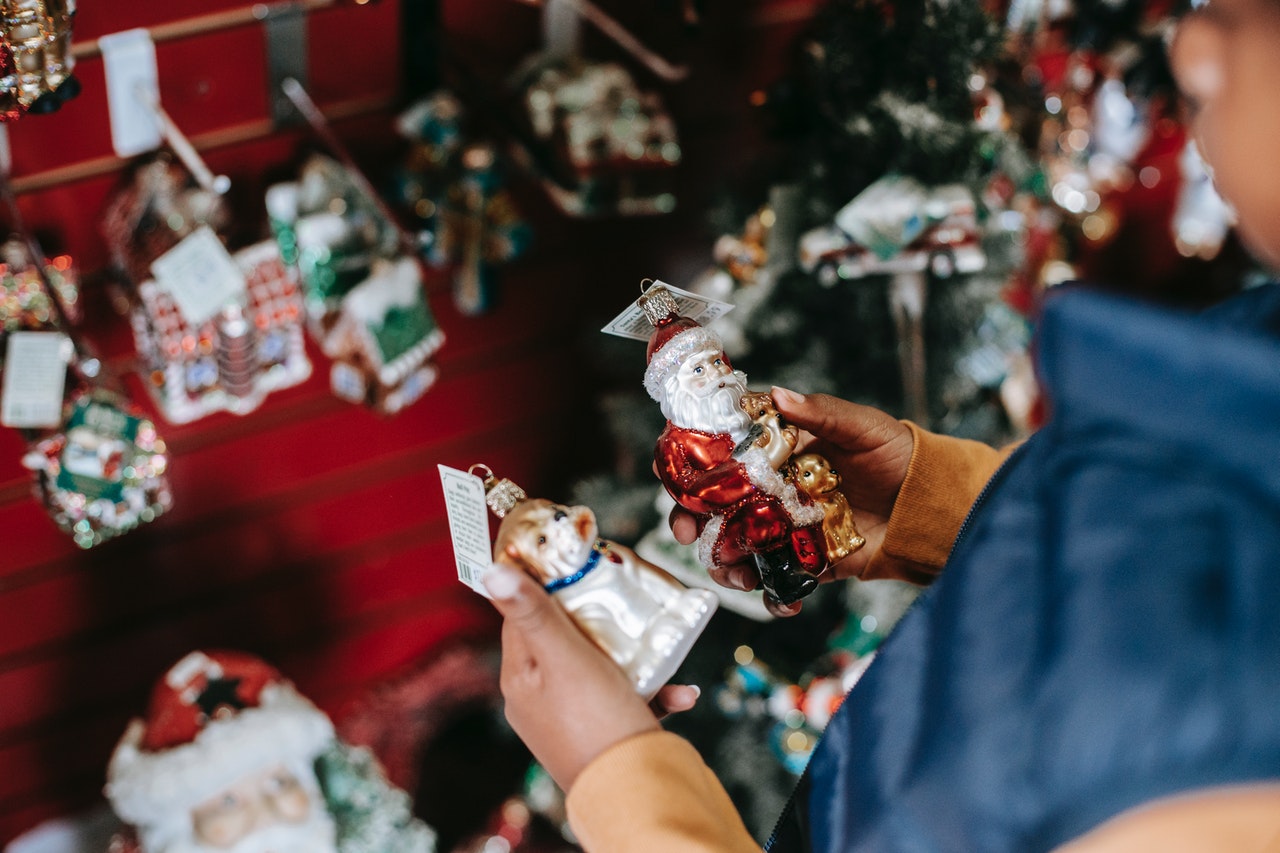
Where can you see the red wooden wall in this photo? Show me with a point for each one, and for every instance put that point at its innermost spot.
(312, 531)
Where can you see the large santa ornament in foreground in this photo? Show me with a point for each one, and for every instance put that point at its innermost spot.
(230, 758)
(721, 456)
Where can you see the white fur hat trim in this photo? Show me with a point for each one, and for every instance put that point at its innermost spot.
(147, 787)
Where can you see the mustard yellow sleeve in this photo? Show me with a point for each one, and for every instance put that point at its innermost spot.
(943, 480)
(653, 792)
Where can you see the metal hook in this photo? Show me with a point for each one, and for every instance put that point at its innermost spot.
(182, 146)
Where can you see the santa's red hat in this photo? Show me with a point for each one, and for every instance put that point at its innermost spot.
(213, 719)
(674, 339)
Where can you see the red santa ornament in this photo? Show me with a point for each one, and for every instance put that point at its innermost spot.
(720, 453)
(223, 760)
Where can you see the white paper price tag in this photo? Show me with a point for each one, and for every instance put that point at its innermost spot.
(129, 63)
(35, 373)
(468, 525)
(200, 274)
(632, 323)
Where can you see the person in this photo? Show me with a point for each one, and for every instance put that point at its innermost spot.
(1095, 668)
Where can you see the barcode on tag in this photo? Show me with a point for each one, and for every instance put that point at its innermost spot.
(35, 374)
(200, 274)
(632, 323)
(468, 525)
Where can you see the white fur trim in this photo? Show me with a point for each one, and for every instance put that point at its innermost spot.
(147, 787)
(767, 480)
(707, 541)
(673, 353)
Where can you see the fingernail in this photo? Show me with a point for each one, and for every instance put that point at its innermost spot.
(697, 691)
(783, 395)
(501, 581)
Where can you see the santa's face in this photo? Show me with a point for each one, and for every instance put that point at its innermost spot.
(704, 394)
(271, 811)
(703, 373)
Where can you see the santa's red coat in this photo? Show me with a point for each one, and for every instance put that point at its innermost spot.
(699, 471)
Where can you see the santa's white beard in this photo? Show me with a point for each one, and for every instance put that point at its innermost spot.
(316, 834)
(720, 411)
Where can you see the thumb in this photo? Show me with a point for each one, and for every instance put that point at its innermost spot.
(846, 425)
(526, 605)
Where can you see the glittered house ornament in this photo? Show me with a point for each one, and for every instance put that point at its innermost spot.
(364, 296)
(24, 302)
(608, 147)
(104, 472)
(383, 338)
(331, 232)
(35, 56)
(232, 360)
(158, 206)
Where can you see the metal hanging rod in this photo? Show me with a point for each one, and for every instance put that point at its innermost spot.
(619, 34)
(235, 135)
(215, 21)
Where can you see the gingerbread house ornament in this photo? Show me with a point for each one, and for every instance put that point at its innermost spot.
(383, 338)
(232, 360)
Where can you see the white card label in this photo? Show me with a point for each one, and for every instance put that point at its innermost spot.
(129, 63)
(35, 373)
(632, 323)
(468, 525)
(200, 274)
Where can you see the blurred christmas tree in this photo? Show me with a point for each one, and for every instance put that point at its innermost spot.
(885, 87)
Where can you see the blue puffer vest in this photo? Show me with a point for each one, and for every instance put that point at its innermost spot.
(1107, 629)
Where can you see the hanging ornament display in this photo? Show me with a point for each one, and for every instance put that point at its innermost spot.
(455, 191)
(642, 618)
(35, 56)
(365, 297)
(479, 229)
(328, 228)
(433, 127)
(104, 471)
(24, 303)
(799, 710)
(151, 212)
(604, 146)
(382, 339)
(199, 358)
(897, 225)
